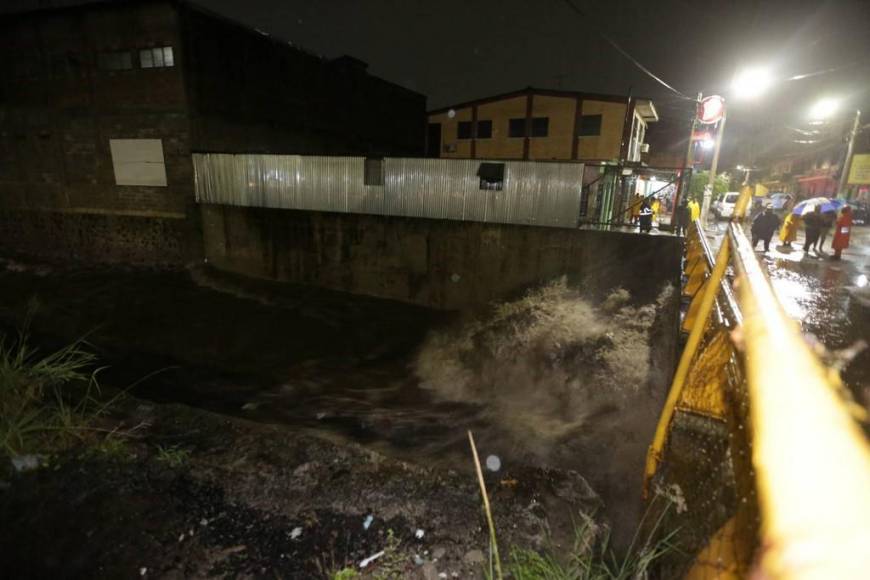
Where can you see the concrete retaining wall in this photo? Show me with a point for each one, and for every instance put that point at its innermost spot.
(437, 263)
(99, 238)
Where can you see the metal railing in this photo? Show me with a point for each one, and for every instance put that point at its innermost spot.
(756, 436)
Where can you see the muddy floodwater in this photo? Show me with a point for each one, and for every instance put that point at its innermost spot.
(554, 377)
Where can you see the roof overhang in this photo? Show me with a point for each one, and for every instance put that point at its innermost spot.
(646, 110)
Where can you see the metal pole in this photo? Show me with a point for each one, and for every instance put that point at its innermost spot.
(685, 187)
(847, 163)
(708, 191)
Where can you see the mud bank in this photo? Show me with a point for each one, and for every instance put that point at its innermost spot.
(560, 379)
(257, 501)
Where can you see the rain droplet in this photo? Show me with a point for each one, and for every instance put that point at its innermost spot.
(493, 463)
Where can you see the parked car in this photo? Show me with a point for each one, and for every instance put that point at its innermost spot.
(778, 201)
(723, 208)
(860, 212)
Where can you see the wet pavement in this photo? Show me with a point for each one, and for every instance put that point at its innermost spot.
(829, 298)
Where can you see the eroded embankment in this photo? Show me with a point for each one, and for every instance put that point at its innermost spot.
(555, 384)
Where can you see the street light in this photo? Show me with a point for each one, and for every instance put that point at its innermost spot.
(824, 108)
(751, 82)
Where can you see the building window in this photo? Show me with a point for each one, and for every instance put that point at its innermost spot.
(590, 126)
(117, 60)
(374, 171)
(491, 176)
(463, 130)
(160, 57)
(484, 130)
(517, 128)
(540, 126)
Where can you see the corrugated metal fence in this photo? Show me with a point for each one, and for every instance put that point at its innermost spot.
(535, 193)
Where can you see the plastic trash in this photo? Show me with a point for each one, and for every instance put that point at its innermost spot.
(25, 462)
(419, 534)
(368, 521)
(371, 559)
(295, 533)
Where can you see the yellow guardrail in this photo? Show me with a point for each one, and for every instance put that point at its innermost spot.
(756, 422)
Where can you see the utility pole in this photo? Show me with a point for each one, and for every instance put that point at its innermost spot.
(708, 191)
(688, 168)
(847, 163)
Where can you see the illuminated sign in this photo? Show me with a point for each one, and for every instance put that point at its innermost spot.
(711, 110)
(859, 174)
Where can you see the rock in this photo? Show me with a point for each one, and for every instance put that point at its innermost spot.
(26, 462)
(429, 571)
(474, 557)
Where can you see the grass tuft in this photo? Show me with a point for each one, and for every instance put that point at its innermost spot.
(46, 400)
(173, 456)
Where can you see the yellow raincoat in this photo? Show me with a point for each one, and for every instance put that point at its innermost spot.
(656, 208)
(694, 210)
(790, 228)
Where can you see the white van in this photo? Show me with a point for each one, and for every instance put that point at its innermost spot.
(724, 206)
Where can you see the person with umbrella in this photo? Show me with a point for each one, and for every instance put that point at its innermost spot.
(843, 233)
(813, 223)
(812, 211)
(828, 220)
(763, 227)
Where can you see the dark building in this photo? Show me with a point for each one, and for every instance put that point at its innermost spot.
(102, 104)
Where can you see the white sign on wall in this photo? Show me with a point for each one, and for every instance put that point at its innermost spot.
(138, 162)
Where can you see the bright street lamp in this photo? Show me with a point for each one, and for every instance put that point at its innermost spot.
(824, 108)
(751, 82)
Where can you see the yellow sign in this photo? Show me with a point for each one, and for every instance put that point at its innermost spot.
(859, 174)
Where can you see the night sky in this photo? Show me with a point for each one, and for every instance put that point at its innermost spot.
(456, 50)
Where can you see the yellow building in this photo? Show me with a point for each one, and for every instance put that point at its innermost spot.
(543, 124)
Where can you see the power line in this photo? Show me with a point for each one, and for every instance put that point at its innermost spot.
(625, 53)
(824, 71)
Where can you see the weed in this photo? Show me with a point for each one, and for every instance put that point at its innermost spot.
(345, 574)
(592, 557)
(45, 400)
(173, 456)
(114, 446)
(391, 565)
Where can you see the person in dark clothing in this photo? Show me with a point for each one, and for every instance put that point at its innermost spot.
(645, 217)
(763, 227)
(681, 218)
(814, 222)
(828, 220)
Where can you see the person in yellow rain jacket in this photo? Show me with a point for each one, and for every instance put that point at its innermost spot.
(694, 209)
(656, 209)
(789, 230)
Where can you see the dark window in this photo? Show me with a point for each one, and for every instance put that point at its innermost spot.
(463, 130)
(118, 60)
(590, 125)
(517, 128)
(491, 176)
(159, 57)
(484, 130)
(374, 171)
(540, 126)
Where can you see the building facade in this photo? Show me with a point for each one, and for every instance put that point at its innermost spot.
(104, 103)
(540, 124)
